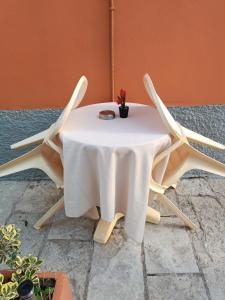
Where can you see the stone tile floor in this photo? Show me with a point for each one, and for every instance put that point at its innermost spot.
(171, 263)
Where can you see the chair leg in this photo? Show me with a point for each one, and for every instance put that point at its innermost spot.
(195, 137)
(176, 166)
(24, 162)
(51, 164)
(201, 161)
(50, 213)
(188, 158)
(169, 205)
(43, 158)
(105, 228)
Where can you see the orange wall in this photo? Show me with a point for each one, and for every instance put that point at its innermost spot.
(47, 44)
(181, 43)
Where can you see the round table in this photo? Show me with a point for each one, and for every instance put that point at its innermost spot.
(108, 163)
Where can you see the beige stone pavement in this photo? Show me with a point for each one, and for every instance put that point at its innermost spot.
(171, 263)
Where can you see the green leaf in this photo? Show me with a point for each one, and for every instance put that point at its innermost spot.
(1, 278)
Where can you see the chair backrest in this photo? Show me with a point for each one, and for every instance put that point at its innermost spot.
(165, 115)
(75, 100)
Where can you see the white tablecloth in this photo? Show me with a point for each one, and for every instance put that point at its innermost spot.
(108, 163)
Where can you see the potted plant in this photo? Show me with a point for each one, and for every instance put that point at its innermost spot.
(25, 269)
(123, 108)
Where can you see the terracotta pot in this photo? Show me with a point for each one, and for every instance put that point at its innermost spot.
(62, 285)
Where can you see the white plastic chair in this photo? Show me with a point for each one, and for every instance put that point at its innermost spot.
(46, 156)
(75, 100)
(183, 157)
(160, 189)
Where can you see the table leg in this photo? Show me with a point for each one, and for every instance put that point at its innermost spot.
(152, 216)
(105, 228)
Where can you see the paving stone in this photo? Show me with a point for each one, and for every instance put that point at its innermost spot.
(71, 228)
(176, 287)
(212, 219)
(168, 249)
(31, 238)
(185, 187)
(201, 253)
(38, 197)
(186, 206)
(10, 193)
(194, 187)
(215, 279)
(71, 257)
(116, 270)
(218, 187)
(209, 239)
(218, 184)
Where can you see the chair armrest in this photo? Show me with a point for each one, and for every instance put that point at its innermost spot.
(197, 138)
(34, 139)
